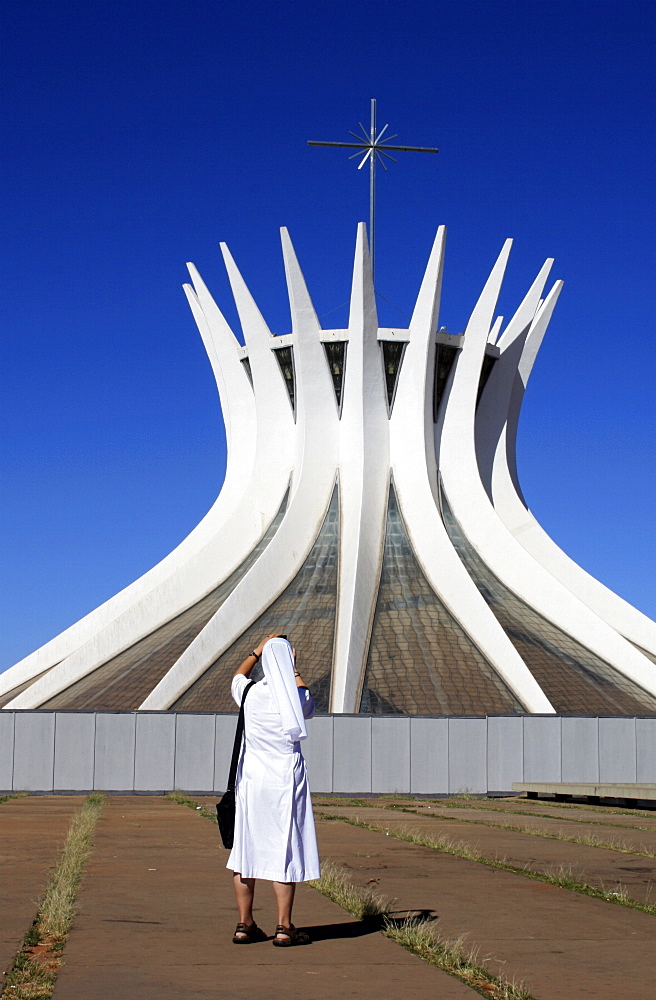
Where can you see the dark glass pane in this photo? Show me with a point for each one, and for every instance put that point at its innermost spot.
(444, 359)
(392, 356)
(421, 661)
(285, 359)
(486, 368)
(336, 357)
(305, 612)
(574, 679)
(122, 683)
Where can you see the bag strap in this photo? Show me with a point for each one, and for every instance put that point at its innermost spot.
(238, 737)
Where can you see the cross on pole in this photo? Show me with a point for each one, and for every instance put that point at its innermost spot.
(374, 148)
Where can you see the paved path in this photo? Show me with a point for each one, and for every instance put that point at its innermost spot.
(32, 832)
(602, 816)
(564, 945)
(156, 916)
(571, 826)
(599, 866)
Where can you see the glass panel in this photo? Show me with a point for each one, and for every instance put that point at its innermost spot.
(444, 359)
(285, 359)
(392, 357)
(305, 612)
(122, 683)
(421, 661)
(574, 679)
(336, 357)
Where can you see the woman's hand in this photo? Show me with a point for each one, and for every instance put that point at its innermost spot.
(258, 649)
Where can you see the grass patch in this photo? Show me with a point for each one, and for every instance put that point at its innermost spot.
(184, 800)
(459, 849)
(456, 804)
(56, 910)
(590, 807)
(454, 957)
(459, 803)
(13, 795)
(450, 804)
(586, 840)
(362, 903)
(34, 971)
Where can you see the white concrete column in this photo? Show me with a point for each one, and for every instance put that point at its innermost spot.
(497, 419)
(363, 480)
(315, 445)
(498, 548)
(413, 467)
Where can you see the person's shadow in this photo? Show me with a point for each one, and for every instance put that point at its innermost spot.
(368, 925)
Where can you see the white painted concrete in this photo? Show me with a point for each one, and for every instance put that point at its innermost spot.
(495, 544)
(497, 419)
(360, 448)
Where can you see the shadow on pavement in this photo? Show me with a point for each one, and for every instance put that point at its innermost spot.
(370, 925)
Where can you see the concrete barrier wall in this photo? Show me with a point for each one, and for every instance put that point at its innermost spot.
(353, 754)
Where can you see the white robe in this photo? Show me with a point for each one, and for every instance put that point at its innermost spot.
(274, 826)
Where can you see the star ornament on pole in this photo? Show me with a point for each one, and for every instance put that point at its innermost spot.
(375, 149)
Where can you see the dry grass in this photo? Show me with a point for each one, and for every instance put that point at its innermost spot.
(587, 840)
(363, 903)
(184, 800)
(454, 957)
(56, 910)
(530, 813)
(34, 971)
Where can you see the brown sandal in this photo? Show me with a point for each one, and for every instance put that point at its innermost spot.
(292, 937)
(250, 934)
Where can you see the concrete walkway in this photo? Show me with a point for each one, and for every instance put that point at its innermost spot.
(571, 826)
(156, 917)
(155, 913)
(32, 832)
(603, 868)
(563, 945)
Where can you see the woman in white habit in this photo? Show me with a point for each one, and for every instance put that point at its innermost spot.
(274, 827)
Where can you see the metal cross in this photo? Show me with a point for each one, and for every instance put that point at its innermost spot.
(374, 148)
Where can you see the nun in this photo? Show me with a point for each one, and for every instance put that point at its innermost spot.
(274, 827)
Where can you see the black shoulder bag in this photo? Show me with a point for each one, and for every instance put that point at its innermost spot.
(225, 809)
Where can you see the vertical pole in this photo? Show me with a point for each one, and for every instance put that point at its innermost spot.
(372, 190)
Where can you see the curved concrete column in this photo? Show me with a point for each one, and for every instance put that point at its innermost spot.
(316, 462)
(414, 470)
(261, 432)
(496, 439)
(233, 387)
(492, 409)
(312, 443)
(363, 481)
(499, 549)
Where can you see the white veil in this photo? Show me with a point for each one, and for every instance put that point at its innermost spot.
(278, 666)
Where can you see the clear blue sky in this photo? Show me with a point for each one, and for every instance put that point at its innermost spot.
(138, 134)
